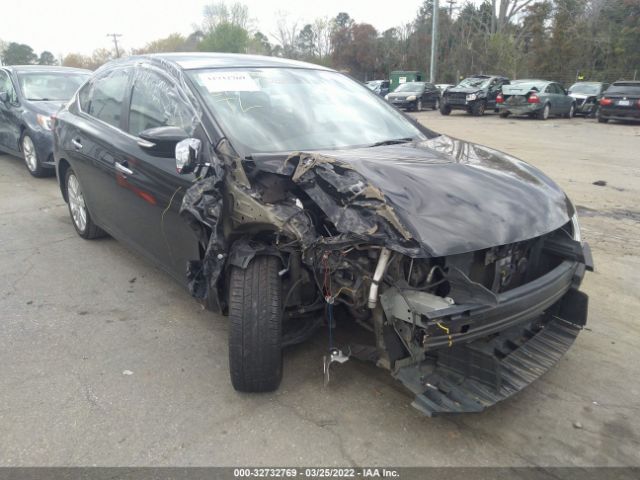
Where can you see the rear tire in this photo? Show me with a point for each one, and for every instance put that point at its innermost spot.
(78, 211)
(255, 326)
(504, 114)
(601, 119)
(544, 113)
(445, 109)
(436, 104)
(571, 111)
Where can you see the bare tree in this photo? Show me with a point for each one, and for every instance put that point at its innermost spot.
(322, 29)
(508, 10)
(286, 33)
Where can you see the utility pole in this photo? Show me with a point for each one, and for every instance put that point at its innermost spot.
(451, 4)
(115, 42)
(493, 17)
(434, 42)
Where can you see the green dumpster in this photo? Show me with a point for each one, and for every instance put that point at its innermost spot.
(399, 77)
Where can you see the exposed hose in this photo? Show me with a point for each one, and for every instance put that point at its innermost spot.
(383, 260)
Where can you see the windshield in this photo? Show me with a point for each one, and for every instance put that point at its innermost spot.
(585, 88)
(474, 82)
(58, 86)
(410, 87)
(373, 85)
(266, 110)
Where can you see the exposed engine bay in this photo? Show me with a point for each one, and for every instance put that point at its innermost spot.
(435, 281)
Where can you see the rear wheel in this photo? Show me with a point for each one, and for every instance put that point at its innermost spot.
(571, 112)
(504, 114)
(255, 326)
(78, 208)
(477, 109)
(31, 159)
(544, 113)
(445, 109)
(601, 119)
(436, 104)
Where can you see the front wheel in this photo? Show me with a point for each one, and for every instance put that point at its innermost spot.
(419, 106)
(80, 216)
(31, 159)
(445, 109)
(255, 325)
(477, 109)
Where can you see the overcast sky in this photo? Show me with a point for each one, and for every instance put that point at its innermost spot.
(65, 26)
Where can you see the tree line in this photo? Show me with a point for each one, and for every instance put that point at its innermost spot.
(560, 40)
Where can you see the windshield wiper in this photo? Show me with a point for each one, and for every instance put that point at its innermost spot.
(392, 142)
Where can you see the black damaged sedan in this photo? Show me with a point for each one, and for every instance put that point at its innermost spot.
(294, 200)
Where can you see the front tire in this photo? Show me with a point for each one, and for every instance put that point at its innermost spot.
(445, 109)
(80, 216)
(31, 159)
(477, 109)
(419, 105)
(255, 326)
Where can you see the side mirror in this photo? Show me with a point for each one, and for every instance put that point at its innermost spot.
(161, 141)
(187, 154)
(4, 97)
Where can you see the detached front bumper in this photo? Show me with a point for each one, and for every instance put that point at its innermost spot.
(479, 355)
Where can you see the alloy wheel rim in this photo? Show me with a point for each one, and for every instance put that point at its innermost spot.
(76, 203)
(419, 104)
(29, 151)
(545, 113)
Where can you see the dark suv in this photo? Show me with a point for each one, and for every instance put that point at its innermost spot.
(621, 101)
(474, 94)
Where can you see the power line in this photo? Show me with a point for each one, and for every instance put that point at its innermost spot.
(115, 41)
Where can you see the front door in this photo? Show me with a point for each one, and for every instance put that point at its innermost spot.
(149, 184)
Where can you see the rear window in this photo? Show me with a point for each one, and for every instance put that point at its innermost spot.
(628, 88)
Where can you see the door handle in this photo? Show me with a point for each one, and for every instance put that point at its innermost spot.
(123, 169)
(76, 143)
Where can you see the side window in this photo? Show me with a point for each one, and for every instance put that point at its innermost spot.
(550, 89)
(156, 102)
(103, 97)
(7, 86)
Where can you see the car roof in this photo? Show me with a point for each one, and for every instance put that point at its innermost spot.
(201, 60)
(44, 68)
(627, 83)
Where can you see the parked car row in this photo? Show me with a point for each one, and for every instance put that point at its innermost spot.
(531, 97)
(289, 197)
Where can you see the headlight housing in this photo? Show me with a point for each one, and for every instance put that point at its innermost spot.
(44, 121)
(577, 236)
(386, 97)
(411, 98)
(471, 97)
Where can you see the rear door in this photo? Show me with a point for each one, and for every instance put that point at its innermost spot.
(93, 140)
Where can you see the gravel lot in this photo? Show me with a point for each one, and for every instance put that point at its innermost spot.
(106, 361)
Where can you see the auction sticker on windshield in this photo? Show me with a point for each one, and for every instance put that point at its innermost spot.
(228, 82)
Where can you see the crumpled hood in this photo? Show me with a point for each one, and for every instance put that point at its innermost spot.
(451, 196)
(456, 197)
